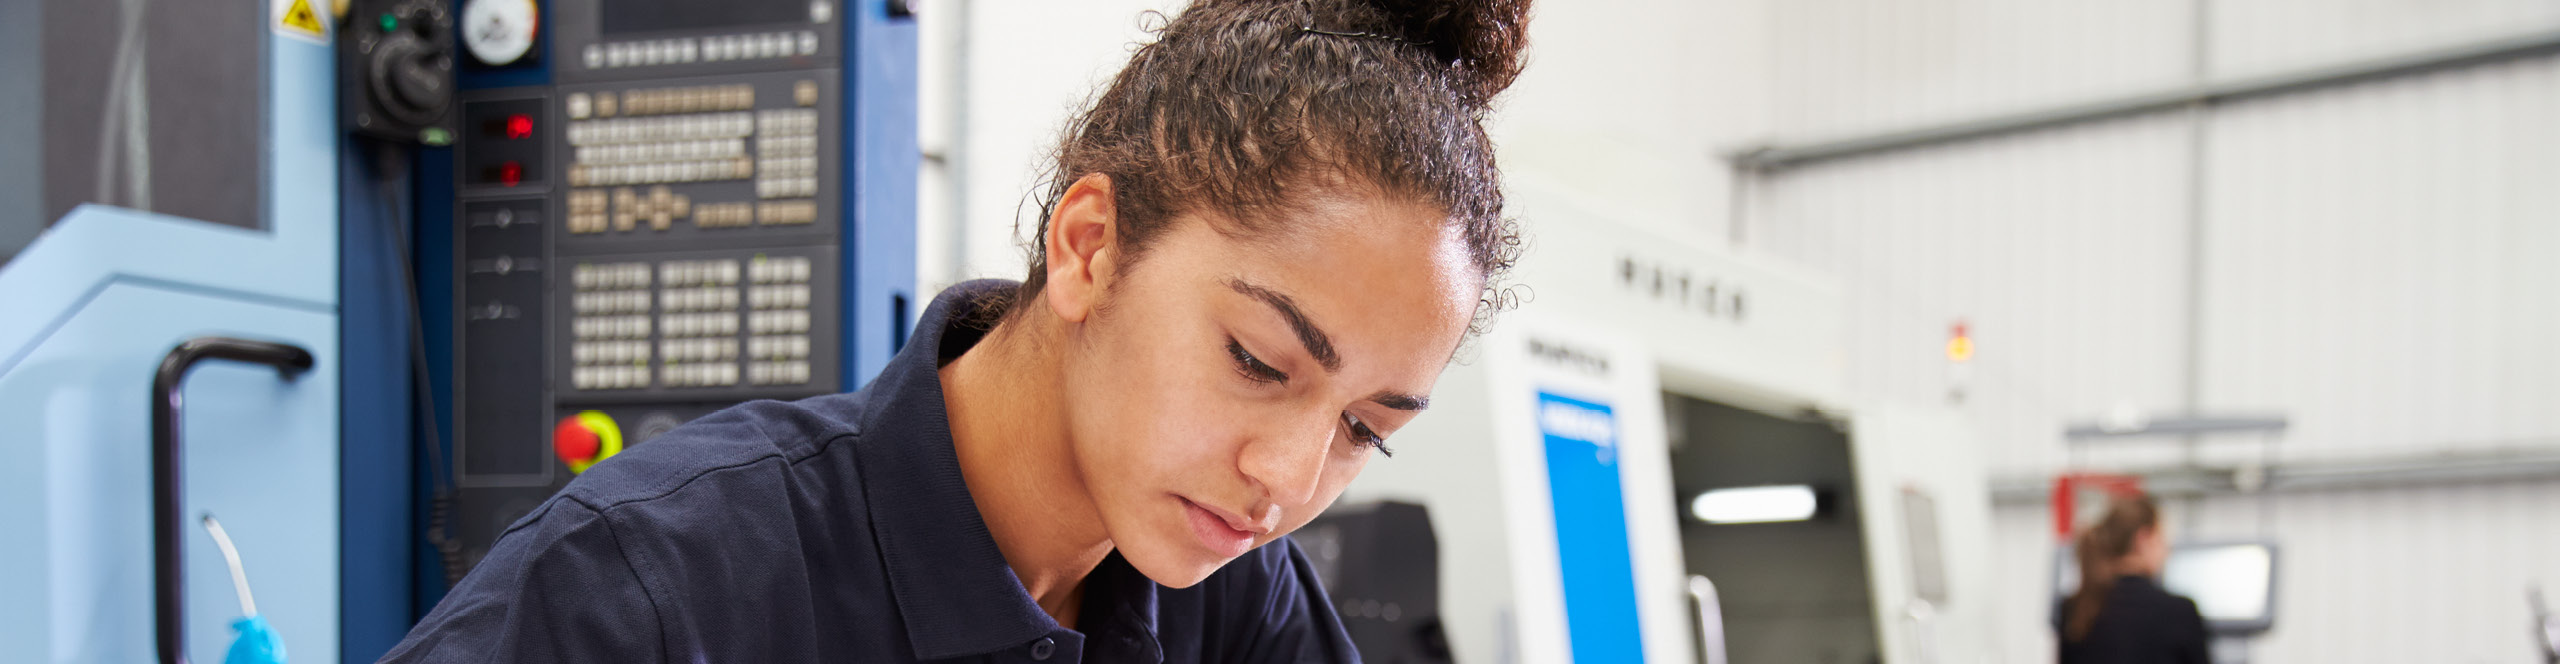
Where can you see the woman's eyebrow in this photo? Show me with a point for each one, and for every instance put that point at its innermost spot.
(1400, 400)
(1309, 335)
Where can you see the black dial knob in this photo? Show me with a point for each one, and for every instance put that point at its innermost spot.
(411, 70)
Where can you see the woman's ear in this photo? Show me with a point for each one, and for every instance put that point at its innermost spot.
(1080, 253)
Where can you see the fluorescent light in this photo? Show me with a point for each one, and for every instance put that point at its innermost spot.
(1756, 504)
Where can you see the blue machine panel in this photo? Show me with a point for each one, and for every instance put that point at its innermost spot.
(87, 312)
(370, 259)
(1598, 569)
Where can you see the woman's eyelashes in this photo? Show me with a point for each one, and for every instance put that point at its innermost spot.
(1253, 368)
(1363, 436)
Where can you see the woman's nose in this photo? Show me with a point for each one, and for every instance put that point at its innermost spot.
(1289, 461)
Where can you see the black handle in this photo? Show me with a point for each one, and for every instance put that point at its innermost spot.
(168, 589)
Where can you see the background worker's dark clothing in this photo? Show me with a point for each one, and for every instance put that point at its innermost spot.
(2140, 623)
(835, 529)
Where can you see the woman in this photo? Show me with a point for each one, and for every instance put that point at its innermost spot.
(2120, 615)
(1263, 242)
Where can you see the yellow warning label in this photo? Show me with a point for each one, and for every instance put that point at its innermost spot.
(298, 19)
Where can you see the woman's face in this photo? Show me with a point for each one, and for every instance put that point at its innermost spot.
(1226, 390)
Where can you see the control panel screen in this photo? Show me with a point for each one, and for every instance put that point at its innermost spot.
(632, 16)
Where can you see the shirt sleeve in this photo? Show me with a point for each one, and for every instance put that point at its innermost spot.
(557, 589)
(1296, 622)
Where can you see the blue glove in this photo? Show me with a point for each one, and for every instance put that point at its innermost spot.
(258, 643)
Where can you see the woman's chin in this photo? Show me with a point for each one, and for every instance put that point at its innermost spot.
(1172, 564)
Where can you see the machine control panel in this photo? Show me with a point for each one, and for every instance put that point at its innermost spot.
(653, 234)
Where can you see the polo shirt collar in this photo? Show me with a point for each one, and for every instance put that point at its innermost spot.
(1119, 614)
(953, 589)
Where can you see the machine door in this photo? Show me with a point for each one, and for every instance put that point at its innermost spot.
(183, 189)
(1928, 533)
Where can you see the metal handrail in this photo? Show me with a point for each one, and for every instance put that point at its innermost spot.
(168, 588)
(1710, 619)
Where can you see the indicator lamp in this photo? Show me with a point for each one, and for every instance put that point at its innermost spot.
(1960, 344)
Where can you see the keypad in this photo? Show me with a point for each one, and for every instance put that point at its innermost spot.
(691, 323)
(691, 50)
(631, 150)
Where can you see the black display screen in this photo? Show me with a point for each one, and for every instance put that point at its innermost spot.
(629, 16)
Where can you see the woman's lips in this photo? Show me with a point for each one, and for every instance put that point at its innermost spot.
(1214, 533)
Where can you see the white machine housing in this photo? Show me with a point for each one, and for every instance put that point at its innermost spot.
(1617, 313)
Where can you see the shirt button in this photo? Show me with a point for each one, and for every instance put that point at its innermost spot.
(1043, 648)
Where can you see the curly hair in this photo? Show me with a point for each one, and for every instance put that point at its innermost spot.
(1241, 107)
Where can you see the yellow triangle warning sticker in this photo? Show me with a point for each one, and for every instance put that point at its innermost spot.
(295, 18)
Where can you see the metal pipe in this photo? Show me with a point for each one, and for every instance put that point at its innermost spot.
(1774, 158)
(2268, 425)
(2300, 476)
(1710, 619)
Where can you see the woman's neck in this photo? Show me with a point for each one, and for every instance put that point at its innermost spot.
(1003, 400)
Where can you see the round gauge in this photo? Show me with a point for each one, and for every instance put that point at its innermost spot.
(499, 32)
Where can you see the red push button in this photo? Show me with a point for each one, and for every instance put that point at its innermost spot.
(573, 442)
(583, 439)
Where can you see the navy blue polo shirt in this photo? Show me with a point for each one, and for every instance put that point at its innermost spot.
(835, 529)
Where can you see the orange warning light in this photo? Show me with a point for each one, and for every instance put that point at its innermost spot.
(1960, 344)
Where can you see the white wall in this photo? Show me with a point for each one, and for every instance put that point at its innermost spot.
(1628, 102)
(1027, 65)
(2375, 264)
(2374, 258)
(2381, 262)
(1851, 66)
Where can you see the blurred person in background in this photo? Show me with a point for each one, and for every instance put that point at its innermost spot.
(2121, 615)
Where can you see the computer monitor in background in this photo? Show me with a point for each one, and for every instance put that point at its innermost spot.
(2232, 583)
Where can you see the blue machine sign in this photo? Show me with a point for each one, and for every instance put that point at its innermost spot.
(1598, 571)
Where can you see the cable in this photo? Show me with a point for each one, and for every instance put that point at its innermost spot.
(231, 557)
(391, 165)
(127, 107)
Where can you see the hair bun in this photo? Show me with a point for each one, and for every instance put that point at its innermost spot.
(1481, 39)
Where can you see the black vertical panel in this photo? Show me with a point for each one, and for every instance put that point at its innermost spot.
(204, 92)
(506, 421)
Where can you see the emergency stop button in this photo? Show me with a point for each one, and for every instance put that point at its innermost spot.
(583, 439)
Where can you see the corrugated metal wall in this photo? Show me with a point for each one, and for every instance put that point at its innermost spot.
(2416, 574)
(1842, 66)
(2377, 262)
(2381, 261)
(2419, 574)
(2062, 251)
